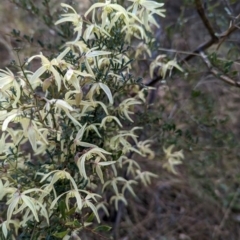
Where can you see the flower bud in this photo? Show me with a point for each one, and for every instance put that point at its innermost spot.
(46, 84)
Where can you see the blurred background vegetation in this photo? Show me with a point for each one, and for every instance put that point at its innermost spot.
(195, 110)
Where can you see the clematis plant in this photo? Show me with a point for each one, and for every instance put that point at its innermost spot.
(68, 128)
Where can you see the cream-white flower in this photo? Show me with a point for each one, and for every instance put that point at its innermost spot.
(8, 82)
(6, 228)
(49, 66)
(25, 201)
(97, 166)
(145, 177)
(60, 104)
(173, 158)
(107, 8)
(74, 18)
(94, 152)
(95, 90)
(124, 106)
(78, 140)
(59, 174)
(109, 119)
(163, 66)
(144, 147)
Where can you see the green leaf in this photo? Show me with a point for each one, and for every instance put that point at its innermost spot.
(91, 217)
(61, 234)
(195, 93)
(76, 223)
(62, 208)
(71, 211)
(102, 228)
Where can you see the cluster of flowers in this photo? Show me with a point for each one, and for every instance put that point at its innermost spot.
(74, 123)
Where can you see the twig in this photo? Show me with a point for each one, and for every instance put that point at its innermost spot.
(226, 213)
(210, 42)
(95, 233)
(217, 73)
(232, 23)
(204, 18)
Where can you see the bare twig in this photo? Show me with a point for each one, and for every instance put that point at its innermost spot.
(217, 73)
(212, 41)
(206, 22)
(226, 213)
(232, 23)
